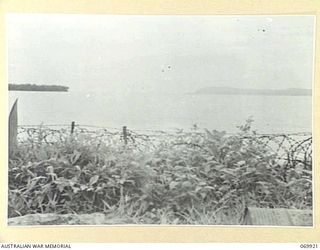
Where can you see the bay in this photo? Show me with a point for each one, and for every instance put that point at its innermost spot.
(164, 111)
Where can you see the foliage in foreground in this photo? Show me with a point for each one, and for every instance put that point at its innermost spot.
(189, 178)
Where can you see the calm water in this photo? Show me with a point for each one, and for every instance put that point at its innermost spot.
(271, 114)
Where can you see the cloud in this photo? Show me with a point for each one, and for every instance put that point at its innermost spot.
(119, 52)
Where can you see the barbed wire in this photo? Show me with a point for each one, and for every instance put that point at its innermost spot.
(174, 130)
(293, 146)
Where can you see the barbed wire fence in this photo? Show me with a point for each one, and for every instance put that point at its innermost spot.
(293, 148)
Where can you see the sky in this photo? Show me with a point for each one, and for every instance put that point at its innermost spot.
(160, 53)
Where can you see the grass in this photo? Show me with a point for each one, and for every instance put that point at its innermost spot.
(192, 177)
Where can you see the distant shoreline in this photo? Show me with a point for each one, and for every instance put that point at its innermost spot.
(266, 92)
(37, 88)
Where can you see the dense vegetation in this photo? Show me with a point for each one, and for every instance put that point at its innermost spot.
(187, 178)
(35, 87)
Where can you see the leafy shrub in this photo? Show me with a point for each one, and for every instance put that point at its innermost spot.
(186, 178)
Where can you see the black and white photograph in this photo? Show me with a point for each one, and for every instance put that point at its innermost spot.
(195, 120)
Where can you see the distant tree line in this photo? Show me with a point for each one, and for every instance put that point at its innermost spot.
(35, 87)
(244, 91)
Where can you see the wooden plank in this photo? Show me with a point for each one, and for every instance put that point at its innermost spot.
(70, 219)
(13, 128)
(277, 217)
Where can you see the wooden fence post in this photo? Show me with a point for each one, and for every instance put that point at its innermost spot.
(72, 127)
(13, 128)
(125, 134)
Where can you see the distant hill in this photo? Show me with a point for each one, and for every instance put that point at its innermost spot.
(239, 91)
(35, 87)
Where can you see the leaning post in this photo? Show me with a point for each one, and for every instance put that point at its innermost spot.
(13, 128)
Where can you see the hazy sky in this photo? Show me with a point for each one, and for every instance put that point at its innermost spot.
(160, 53)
